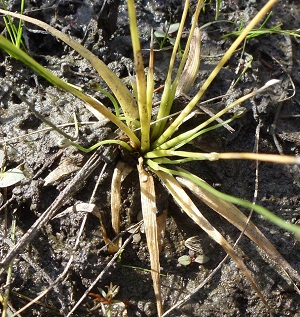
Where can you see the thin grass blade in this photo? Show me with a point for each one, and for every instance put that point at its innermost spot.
(150, 81)
(140, 78)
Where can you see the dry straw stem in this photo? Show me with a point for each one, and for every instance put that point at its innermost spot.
(148, 200)
(214, 156)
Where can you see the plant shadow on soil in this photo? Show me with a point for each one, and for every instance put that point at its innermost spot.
(228, 293)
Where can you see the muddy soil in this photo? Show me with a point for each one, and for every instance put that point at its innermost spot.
(271, 118)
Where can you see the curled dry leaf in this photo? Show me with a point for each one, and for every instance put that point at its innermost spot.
(11, 177)
(66, 167)
(121, 171)
(193, 243)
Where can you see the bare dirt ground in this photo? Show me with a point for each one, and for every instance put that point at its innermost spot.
(103, 28)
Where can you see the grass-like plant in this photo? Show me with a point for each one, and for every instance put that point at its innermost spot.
(160, 142)
(15, 32)
(262, 30)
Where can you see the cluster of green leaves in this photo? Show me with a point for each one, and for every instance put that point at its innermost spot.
(158, 140)
(15, 32)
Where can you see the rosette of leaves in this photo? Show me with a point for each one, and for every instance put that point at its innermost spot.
(158, 142)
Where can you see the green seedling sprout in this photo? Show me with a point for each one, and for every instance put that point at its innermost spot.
(166, 34)
(186, 260)
(158, 147)
(262, 30)
(193, 244)
(107, 301)
(15, 32)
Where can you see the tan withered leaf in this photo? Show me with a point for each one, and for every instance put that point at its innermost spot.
(191, 68)
(161, 221)
(148, 200)
(185, 202)
(121, 171)
(232, 214)
(66, 167)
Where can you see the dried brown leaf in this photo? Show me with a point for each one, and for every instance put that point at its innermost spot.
(191, 68)
(121, 171)
(148, 199)
(66, 167)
